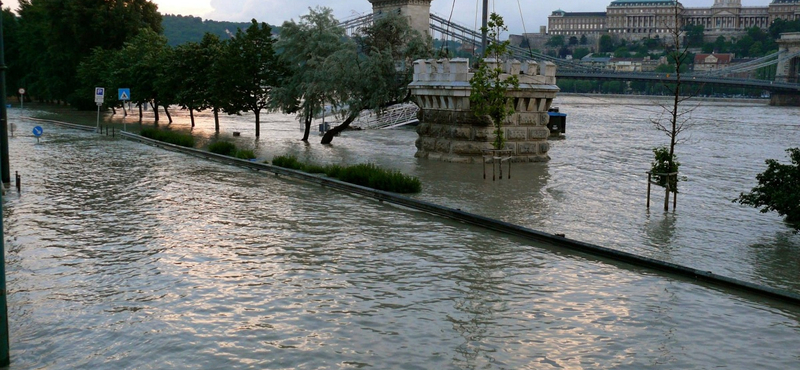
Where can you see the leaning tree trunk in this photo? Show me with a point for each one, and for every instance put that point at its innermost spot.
(140, 112)
(154, 105)
(191, 116)
(166, 110)
(328, 137)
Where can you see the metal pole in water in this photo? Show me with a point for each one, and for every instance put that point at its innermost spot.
(5, 358)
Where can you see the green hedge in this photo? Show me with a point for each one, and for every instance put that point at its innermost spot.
(171, 137)
(368, 175)
(223, 148)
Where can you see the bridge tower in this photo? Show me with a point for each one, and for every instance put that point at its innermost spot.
(788, 69)
(417, 11)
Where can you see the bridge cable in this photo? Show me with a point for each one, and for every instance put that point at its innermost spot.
(446, 33)
(524, 29)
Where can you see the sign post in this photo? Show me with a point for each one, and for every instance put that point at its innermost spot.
(99, 97)
(21, 98)
(37, 131)
(124, 95)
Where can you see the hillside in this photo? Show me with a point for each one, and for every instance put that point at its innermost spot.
(180, 29)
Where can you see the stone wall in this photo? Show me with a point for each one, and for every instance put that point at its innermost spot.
(448, 129)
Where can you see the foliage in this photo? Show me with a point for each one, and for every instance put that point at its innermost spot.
(556, 41)
(778, 189)
(182, 29)
(305, 46)
(141, 65)
(56, 35)
(368, 175)
(579, 53)
(694, 35)
(252, 70)
(245, 154)
(663, 163)
(374, 71)
(171, 137)
(606, 44)
(489, 84)
(223, 148)
(584, 40)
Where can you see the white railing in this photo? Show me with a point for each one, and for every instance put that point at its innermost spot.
(394, 116)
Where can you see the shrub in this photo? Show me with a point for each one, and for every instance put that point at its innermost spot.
(245, 154)
(661, 165)
(223, 148)
(168, 137)
(290, 162)
(368, 175)
(778, 189)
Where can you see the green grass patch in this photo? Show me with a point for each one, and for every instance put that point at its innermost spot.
(223, 148)
(368, 175)
(245, 154)
(171, 137)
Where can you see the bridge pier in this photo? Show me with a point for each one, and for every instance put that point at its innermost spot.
(785, 99)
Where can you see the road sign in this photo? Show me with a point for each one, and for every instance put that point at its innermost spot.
(99, 95)
(21, 91)
(124, 94)
(37, 131)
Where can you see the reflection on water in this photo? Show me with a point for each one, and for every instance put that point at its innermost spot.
(126, 256)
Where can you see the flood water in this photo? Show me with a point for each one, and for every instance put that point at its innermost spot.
(125, 256)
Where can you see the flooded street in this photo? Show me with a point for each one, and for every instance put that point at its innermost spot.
(125, 256)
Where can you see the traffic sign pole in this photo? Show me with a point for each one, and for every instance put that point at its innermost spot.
(99, 95)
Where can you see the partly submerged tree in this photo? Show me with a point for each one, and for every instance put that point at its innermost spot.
(778, 189)
(374, 71)
(253, 71)
(304, 47)
(490, 84)
(674, 118)
(140, 65)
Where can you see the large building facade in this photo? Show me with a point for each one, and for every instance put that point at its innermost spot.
(637, 19)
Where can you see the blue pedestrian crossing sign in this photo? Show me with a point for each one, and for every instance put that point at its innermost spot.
(37, 131)
(124, 94)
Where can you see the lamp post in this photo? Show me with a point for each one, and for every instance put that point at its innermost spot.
(6, 170)
(5, 359)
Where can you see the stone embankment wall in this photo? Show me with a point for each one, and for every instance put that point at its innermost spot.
(448, 129)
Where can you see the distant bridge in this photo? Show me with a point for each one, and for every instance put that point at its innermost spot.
(569, 69)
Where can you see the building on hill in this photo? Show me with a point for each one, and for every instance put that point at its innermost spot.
(710, 62)
(638, 19)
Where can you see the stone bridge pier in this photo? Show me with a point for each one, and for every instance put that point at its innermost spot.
(788, 70)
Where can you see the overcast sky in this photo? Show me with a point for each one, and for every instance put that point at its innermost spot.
(534, 13)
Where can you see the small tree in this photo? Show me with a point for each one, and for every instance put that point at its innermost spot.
(677, 118)
(778, 189)
(488, 96)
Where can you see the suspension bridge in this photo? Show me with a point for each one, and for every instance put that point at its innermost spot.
(786, 61)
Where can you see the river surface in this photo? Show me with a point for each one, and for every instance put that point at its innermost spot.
(125, 256)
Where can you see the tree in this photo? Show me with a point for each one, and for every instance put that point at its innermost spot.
(253, 71)
(606, 44)
(694, 35)
(579, 53)
(556, 41)
(374, 71)
(58, 34)
(573, 40)
(778, 189)
(677, 118)
(488, 96)
(139, 66)
(584, 40)
(305, 47)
